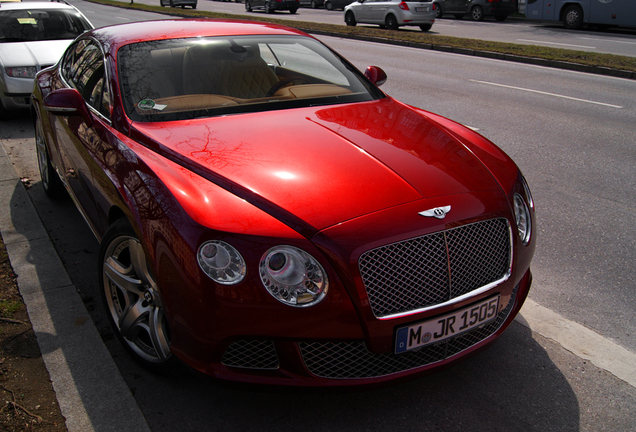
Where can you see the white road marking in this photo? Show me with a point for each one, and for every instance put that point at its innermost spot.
(555, 43)
(580, 341)
(607, 40)
(547, 94)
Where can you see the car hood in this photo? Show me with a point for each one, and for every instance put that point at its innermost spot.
(325, 165)
(42, 53)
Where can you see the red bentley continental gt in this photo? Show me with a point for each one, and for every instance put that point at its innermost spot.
(267, 214)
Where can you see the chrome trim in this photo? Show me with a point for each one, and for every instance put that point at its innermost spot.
(463, 297)
(59, 110)
(60, 69)
(451, 302)
(437, 212)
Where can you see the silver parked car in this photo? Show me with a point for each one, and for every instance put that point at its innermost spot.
(33, 36)
(391, 14)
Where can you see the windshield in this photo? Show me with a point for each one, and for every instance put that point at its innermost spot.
(189, 78)
(36, 25)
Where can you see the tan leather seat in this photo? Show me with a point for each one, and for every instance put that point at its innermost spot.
(203, 67)
(248, 77)
(229, 70)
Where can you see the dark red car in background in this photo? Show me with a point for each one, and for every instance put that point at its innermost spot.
(267, 214)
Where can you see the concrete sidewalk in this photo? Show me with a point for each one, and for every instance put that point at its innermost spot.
(90, 390)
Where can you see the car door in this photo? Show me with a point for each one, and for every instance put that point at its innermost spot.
(361, 10)
(456, 6)
(79, 140)
(377, 10)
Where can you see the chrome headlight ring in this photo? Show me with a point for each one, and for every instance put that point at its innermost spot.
(293, 277)
(221, 262)
(523, 219)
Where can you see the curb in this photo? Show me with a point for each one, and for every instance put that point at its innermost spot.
(89, 388)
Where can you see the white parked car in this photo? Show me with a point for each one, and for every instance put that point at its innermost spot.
(391, 14)
(33, 36)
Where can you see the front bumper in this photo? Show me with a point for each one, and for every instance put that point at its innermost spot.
(351, 339)
(15, 92)
(350, 363)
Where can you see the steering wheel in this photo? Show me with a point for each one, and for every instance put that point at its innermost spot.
(283, 83)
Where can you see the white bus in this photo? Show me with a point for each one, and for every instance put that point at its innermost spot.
(575, 13)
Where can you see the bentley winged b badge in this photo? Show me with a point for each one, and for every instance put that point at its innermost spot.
(437, 212)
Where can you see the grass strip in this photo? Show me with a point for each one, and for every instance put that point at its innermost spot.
(413, 38)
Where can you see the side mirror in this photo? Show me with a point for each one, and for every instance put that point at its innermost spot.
(376, 75)
(67, 102)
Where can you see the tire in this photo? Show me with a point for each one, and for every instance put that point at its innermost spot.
(328, 5)
(132, 301)
(248, 6)
(171, 3)
(350, 19)
(3, 112)
(573, 17)
(426, 27)
(438, 11)
(268, 8)
(391, 22)
(477, 13)
(51, 183)
(293, 10)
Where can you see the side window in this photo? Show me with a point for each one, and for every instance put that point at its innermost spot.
(83, 69)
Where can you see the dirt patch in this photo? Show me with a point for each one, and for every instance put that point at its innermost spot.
(28, 402)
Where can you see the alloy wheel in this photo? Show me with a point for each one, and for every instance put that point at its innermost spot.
(132, 298)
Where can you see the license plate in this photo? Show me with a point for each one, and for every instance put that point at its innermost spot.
(447, 326)
(422, 9)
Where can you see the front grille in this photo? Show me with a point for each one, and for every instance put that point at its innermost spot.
(352, 360)
(435, 268)
(251, 354)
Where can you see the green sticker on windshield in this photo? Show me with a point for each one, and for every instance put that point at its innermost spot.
(146, 104)
(149, 104)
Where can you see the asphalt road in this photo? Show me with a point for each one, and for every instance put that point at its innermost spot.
(573, 136)
(519, 31)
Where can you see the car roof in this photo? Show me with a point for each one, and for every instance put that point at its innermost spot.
(33, 5)
(124, 34)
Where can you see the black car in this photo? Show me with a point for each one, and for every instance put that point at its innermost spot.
(476, 9)
(337, 4)
(272, 5)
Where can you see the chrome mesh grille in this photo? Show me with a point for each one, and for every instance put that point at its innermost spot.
(432, 269)
(352, 360)
(251, 354)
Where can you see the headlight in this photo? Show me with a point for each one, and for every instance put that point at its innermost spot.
(522, 218)
(21, 71)
(526, 189)
(221, 262)
(293, 277)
